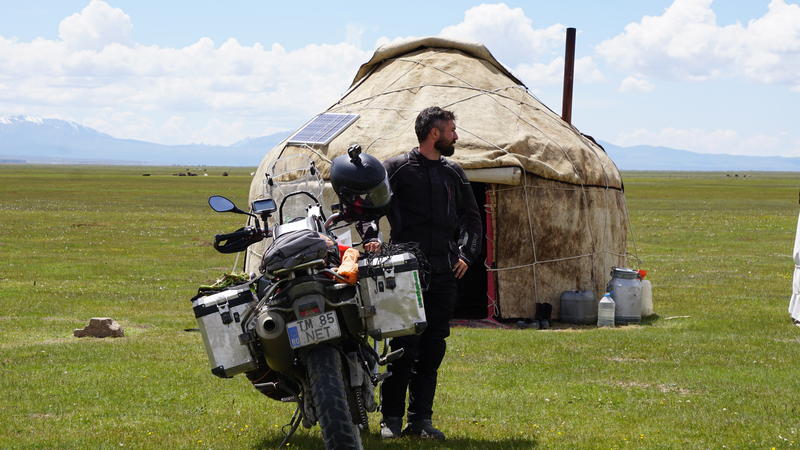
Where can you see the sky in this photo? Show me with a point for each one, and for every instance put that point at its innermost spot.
(701, 75)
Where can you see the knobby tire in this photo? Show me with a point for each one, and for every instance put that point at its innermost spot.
(329, 397)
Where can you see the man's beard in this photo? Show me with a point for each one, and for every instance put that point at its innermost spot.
(444, 147)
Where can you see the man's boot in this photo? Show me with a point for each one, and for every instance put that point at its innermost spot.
(424, 429)
(390, 427)
(542, 315)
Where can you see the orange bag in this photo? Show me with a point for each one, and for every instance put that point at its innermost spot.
(349, 267)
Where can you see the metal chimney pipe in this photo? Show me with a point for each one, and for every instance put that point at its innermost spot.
(569, 72)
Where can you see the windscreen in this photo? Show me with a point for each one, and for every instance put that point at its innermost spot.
(290, 175)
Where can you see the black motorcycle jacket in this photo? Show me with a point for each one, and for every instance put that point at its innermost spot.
(433, 205)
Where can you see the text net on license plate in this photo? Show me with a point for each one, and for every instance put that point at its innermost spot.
(313, 329)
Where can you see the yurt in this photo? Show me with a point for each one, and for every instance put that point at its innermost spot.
(555, 216)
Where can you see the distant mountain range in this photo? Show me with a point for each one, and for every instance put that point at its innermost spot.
(646, 157)
(25, 139)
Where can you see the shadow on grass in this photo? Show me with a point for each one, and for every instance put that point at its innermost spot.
(370, 441)
(652, 319)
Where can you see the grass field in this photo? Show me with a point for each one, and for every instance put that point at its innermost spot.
(719, 367)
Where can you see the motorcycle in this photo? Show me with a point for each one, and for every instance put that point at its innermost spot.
(300, 330)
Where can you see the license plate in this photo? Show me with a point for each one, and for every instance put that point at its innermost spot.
(313, 329)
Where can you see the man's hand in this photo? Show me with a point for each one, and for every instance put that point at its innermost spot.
(460, 268)
(372, 247)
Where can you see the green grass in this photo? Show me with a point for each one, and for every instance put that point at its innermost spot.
(81, 242)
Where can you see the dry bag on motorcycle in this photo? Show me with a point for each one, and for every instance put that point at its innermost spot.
(219, 316)
(390, 289)
(292, 249)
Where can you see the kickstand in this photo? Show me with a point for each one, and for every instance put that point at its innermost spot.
(293, 424)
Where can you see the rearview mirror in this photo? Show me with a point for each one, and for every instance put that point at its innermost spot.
(221, 204)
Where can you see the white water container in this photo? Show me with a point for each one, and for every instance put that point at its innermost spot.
(626, 290)
(647, 298)
(605, 311)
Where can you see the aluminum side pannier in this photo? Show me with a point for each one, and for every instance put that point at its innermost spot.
(391, 291)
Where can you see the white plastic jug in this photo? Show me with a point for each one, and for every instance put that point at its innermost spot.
(605, 311)
(647, 298)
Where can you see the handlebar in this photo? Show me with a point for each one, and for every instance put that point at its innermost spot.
(238, 240)
(241, 232)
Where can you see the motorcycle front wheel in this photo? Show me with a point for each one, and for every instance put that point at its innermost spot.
(329, 397)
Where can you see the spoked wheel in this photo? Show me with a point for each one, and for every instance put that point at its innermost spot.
(329, 397)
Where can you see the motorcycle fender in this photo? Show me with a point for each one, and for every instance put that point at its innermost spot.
(351, 319)
(354, 369)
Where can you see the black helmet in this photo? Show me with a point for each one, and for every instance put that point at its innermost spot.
(360, 182)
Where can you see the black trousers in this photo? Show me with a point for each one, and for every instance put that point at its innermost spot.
(416, 371)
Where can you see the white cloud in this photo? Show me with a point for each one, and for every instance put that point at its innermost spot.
(218, 93)
(541, 73)
(223, 92)
(534, 55)
(635, 83)
(686, 43)
(96, 26)
(586, 71)
(507, 32)
(721, 141)
(552, 73)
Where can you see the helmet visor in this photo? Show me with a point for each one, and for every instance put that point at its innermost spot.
(377, 197)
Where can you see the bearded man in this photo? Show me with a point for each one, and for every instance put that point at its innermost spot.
(434, 207)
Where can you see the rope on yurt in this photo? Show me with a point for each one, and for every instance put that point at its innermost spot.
(627, 255)
(417, 87)
(401, 76)
(522, 266)
(494, 92)
(413, 61)
(339, 102)
(468, 84)
(388, 137)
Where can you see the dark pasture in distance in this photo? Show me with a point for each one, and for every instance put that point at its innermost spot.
(718, 366)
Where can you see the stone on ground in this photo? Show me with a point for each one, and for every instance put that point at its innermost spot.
(100, 327)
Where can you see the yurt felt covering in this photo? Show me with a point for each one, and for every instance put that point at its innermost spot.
(562, 228)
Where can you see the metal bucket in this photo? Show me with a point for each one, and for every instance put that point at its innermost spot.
(626, 290)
